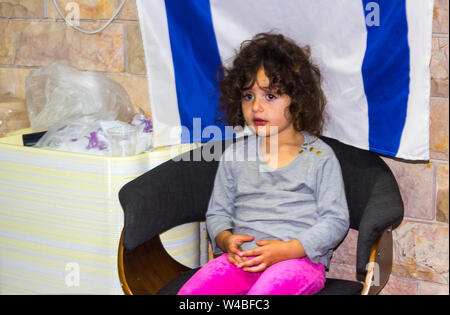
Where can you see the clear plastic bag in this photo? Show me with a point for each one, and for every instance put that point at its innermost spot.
(80, 135)
(89, 135)
(144, 136)
(56, 93)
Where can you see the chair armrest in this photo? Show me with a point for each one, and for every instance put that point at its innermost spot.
(173, 193)
(383, 210)
(379, 267)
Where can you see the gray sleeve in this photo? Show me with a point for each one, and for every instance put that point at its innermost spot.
(221, 203)
(333, 216)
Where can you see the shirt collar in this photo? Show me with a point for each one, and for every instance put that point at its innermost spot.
(309, 139)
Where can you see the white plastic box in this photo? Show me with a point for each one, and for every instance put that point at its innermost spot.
(60, 219)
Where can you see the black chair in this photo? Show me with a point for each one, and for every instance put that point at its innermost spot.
(177, 192)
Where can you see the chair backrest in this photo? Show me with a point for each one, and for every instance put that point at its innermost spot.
(178, 192)
(174, 193)
(373, 198)
(362, 170)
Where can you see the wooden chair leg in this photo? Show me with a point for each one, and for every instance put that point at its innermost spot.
(147, 268)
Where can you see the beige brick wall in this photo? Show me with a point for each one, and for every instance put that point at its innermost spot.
(421, 256)
(33, 34)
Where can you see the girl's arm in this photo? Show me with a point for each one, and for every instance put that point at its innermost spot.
(220, 239)
(221, 203)
(333, 216)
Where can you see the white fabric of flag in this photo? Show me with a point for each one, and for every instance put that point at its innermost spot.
(374, 57)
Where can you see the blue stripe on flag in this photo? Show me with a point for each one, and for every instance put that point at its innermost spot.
(386, 75)
(196, 60)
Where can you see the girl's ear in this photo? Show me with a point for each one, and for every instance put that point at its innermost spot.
(288, 112)
(296, 111)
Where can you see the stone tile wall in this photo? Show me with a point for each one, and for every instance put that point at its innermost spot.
(33, 34)
(421, 243)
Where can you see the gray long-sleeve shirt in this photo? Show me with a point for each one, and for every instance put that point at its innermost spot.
(304, 200)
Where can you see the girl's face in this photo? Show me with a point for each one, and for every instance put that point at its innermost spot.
(264, 108)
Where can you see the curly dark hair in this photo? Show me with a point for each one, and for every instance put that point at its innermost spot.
(290, 71)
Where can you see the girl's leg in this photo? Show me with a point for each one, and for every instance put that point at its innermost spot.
(290, 277)
(219, 277)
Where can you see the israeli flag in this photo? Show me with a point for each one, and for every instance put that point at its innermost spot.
(374, 57)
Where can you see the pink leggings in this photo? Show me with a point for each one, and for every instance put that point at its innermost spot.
(289, 277)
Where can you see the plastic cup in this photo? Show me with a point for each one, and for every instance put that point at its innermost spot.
(122, 140)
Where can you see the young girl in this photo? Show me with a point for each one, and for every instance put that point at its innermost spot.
(276, 216)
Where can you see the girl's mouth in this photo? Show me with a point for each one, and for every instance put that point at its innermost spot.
(259, 122)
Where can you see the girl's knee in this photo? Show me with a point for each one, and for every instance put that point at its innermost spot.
(290, 277)
(218, 276)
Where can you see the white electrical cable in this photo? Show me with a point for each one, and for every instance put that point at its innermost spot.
(90, 32)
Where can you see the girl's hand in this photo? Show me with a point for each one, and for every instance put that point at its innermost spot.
(232, 245)
(270, 252)
(232, 242)
(236, 259)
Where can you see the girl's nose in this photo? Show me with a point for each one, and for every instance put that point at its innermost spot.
(257, 105)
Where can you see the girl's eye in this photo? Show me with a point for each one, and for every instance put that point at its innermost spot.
(247, 97)
(270, 97)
